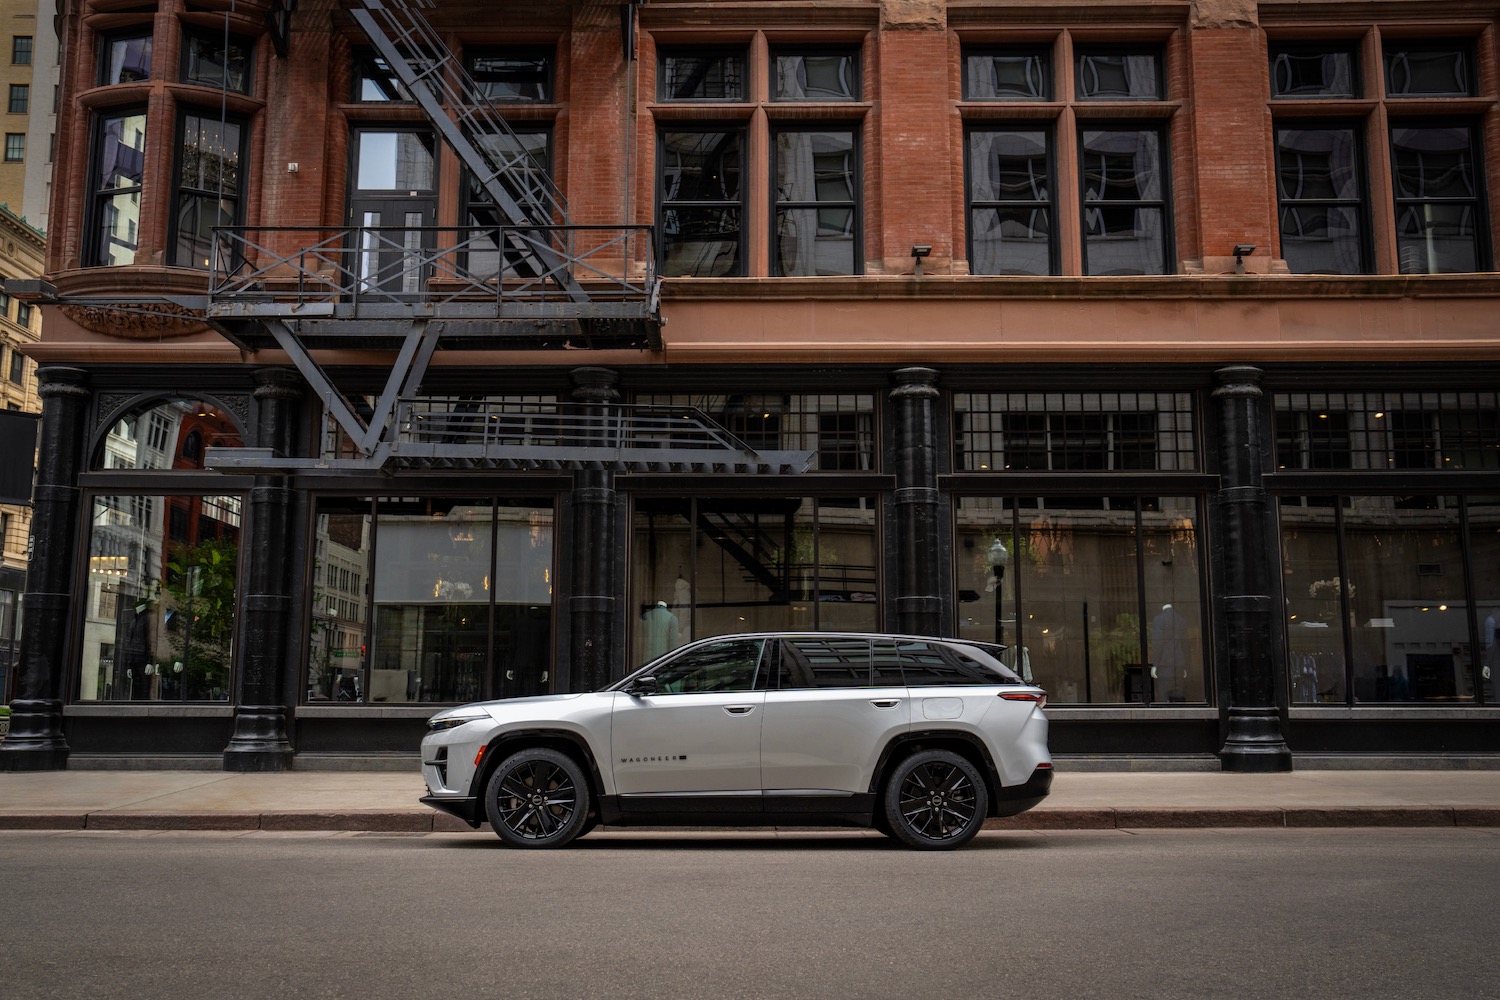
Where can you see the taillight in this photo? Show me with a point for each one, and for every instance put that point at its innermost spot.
(1032, 696)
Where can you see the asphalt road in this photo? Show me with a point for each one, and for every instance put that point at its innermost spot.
(1366, 913)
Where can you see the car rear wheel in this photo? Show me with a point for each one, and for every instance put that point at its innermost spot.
(537, 798)
(935, 800)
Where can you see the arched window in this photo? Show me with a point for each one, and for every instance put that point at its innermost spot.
(167, 434)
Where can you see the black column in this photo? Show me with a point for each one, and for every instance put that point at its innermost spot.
(593, 505)
(259, 741)
(917, 515)
(36, 740)
(1253, 739)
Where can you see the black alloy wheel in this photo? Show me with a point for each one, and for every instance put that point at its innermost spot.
(935, 800)
(537, 798)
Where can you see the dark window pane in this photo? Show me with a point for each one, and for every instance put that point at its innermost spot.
(1313, 72)
(701, 166)
(1008, 76)
(513, 76)
(1010, 220)
(731, 665)
(1124, 203)
(1319, 185)
(209, 61)
(20, 50)
(1119, 76)
(117, 188)
(834, 662)
(701, 241)
(1010, 241)
(703, 76)
(1009, 166)
(815, 77)
(701, 204)
(1439, 218)
(1428, 71)
(20, 98)
(126, 60)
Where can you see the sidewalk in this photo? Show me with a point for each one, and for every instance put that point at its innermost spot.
(1087, 800)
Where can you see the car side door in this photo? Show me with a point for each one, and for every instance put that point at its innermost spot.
(698, 730)
(829, 717)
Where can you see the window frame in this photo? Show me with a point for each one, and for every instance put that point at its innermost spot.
(546, 55)
(467, 200)
(97, 195)
(1086, 51)
(19, 99)
(15, 151)
(1482, 248)
(742, 204)
(18, 51)
(107, 44)
(852, 53)
(1048, 130)
(217, 39)
(991, 52)
(1363, 204)
(1330, 47)
(666, 53)
(180, 191)
(855, 204)
(1461, 46)
(1162, 129)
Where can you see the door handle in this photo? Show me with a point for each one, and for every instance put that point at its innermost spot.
(739, 709)
(885, 702)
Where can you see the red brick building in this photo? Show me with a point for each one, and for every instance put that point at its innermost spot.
(1152, 339)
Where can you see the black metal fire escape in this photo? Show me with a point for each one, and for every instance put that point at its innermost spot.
(524, 278)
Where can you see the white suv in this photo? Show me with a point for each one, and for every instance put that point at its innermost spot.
(921, 738)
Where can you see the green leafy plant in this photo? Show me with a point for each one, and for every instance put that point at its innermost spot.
(200, 591)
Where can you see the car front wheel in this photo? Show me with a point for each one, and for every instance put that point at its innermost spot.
(537, 798)
(935, 800)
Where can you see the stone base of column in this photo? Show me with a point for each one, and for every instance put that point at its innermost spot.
(1254, 744)
(259, 742)
(35, 741)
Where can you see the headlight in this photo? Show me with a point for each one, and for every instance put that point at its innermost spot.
(438, 723)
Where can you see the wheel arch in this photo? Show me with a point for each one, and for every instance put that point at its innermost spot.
(563, 741)
(966, 745)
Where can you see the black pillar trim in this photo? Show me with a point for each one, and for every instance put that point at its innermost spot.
(593, 505)
(259, 741)
(1253, 740)
(36, 741)
(917, 504)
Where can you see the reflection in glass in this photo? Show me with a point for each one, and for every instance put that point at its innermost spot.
(1124, 205)
(167, 434)
(1319, 182)
(117, 188)
(208, 192)
(701, 203)
(395, 161)
(160, 602)
(1438, 215)
(1119, 76)
(1415, 70)
(721, 565)
(1321, 71)
(696, 76)
(126, 60)
(207, 61)
(513, 77)
(525, 158)
(1010, 220)
(816, 197)
(815, 77)
(1059, 582)
(1019, 75)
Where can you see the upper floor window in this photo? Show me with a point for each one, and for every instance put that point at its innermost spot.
(1022, 74)
(1320, 186)
(702, 75)
(208, 186)
(17, 367)
(512, 76)
(527, 173)
(817, 201)
(20, 50)
(701, 201)
(23, 314)
(1322, 70)
(1093, 432)
(1010, 201)
(815, 75)
(1124, 200)
(115, 183)
(376, 82)
(20, 98)
(125, 58)
(212, 59)
(1440, 222)
(15, 147)
(1118, 75)
(1429, 69)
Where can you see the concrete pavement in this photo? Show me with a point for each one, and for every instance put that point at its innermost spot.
(387, 800)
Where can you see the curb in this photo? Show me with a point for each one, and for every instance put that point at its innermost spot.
(1129, 818)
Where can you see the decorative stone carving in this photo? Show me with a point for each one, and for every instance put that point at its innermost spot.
(153, 321)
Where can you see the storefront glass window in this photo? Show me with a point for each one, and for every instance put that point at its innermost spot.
(168, 434)
(719, 565)
(161, 595)
(1098, 598)
(1484, 557)
(431, 600)
(1377, 607)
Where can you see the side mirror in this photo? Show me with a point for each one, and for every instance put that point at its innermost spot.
(642, 686)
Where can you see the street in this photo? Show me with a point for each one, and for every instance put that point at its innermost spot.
(1192, 914)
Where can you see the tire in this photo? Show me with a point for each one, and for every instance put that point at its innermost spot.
(935, 800)
(537, 798)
